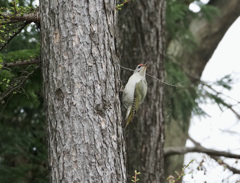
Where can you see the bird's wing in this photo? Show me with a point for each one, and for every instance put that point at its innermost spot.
(139, 95)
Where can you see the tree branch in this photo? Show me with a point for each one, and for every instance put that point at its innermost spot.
(229, 106)
(21, 62)
(200, 149)
(7, 22)
(17, 85)
(14, 34)
(221, 162)
(183, 150)
(29, 17)
(216, 158)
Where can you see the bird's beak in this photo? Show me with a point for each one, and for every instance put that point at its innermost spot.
(144, 68)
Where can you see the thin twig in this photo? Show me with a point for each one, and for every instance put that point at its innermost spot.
(120, 5)
(204, 83)
(5, 22)
(216, 157)
(229, 106)
(200, 149)
(221, 162)
(14, 88)
(15, 33)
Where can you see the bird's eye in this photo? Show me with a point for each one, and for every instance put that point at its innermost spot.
(139, 66)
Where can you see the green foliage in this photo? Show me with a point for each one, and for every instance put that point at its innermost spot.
(177, 13)
(210, 91)
(225, 82)
(11, 78)
(134, 178)
(178, 17)
(4, 4)
(18, 7)
(10, 28)
(28, 39)
(20, 55)
(22, 123)
(208, 11)
(119, 6)
(180, 99)
(173, 179)
(22, 129)
(23, 149)
(185, 98)
(1, 61)
(5, 78)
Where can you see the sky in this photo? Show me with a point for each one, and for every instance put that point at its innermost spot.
(221, 129)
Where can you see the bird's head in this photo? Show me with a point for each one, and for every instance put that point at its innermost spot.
(141, 69)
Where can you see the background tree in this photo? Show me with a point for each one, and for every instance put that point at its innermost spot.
(141, 39)
(189, 51)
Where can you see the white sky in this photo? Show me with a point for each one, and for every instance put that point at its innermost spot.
(221, 130)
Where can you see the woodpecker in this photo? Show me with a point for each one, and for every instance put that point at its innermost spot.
(135, 91)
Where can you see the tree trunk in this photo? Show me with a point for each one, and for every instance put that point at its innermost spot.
(207, 35)
(81, 84)
(141, 39)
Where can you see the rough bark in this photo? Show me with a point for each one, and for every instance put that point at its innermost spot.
(141, 40)
(207, 35)
(81, 83)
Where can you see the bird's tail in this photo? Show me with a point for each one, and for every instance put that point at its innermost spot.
(130, 117)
